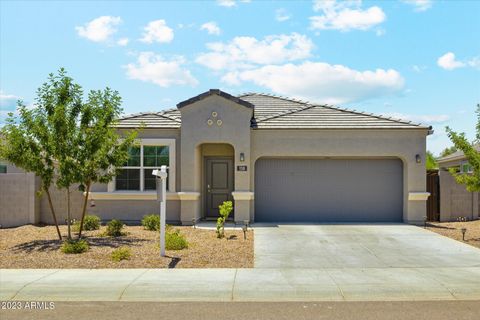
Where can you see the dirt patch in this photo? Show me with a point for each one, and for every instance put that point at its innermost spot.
(454, 230)
(37, 247)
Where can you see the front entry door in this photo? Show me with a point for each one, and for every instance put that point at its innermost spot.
(219, 184)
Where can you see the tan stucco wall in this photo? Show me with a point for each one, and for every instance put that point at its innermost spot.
(134, 210)
(402, 144)
(235, 131)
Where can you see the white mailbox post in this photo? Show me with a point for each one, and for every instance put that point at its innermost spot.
(161, 183)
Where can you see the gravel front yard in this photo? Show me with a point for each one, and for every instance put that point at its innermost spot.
(454, 230)
(37, 247)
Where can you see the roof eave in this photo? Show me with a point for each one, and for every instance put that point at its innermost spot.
(217, 92)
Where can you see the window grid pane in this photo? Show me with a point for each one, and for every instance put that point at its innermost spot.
(128, 179)
(155, 156)
(149, 180)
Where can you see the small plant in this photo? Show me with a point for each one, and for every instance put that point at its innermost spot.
(114, 228)
(175, 241)
(225, 208)
(122, 253)
(151, 222)
(91, 222)
(74, 246)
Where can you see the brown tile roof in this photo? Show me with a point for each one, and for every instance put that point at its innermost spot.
(274, 112)
(457, 155)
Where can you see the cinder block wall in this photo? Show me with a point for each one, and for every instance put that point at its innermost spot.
(19, 204)
(59, 199)
(455, 200)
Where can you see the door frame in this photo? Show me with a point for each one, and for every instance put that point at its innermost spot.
(204, 183)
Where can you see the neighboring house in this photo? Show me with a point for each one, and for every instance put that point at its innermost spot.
(455, 200)
(277, 159)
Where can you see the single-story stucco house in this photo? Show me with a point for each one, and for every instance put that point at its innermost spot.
(455, 200)
(277, 159)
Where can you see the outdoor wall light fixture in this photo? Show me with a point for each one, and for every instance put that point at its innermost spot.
(194, 221)
(242, 156)
(418, 159)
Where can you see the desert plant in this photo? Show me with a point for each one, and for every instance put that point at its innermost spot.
(114, 228)
(122, 253)
(175, 241)
(151, 222)
(91, 222)
(225, 208)
(74, 246)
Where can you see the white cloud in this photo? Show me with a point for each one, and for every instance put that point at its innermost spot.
(165, 73)
(419, 118)
(418, 68)
(99, 29)
(380, 32)
(226, 3)
(345, 16)
(123, 42)
(419, 5)
(8, 102)
(157, 31)
(245, 52)
(448, 62)
(211, 27)
(281, 15)
(320, 81)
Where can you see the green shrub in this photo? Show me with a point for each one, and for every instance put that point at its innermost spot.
(91, 222)
(224, 209)
(122, 253)
(114, 228)
(175, 241)
(74, 246)
(151, 222)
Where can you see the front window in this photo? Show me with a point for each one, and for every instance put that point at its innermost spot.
(3, 168)
(136, 175)
(465, 167)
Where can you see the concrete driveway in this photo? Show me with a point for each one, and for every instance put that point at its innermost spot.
(358, 246)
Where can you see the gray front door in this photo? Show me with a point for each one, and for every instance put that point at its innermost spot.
(328, 190)
(218, 184)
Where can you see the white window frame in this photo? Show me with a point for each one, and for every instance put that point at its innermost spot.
(470, 168)
(170, 143)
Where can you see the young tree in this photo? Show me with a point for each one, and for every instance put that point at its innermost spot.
(100, 151)
(431, 162)
(65, 138)
(472, 181)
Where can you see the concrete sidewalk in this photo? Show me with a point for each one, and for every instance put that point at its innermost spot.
(334, 284)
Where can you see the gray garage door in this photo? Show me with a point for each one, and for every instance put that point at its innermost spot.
(328, 190)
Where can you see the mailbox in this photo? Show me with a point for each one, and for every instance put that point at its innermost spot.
(161, 183)
(161, 178)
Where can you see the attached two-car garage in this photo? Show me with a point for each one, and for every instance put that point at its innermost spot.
(328, 190)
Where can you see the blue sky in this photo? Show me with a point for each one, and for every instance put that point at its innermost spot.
(418, 60)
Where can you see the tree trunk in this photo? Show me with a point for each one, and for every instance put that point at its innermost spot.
(85, 201)
(53, 212)
(69, 218)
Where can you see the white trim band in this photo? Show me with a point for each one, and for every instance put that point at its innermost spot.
(188, 195)
(418, 196)
(122, 195)
(243, 195)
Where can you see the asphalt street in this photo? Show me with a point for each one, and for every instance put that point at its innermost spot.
(419, 310)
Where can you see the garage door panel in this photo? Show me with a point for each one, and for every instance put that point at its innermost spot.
(328, 190)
